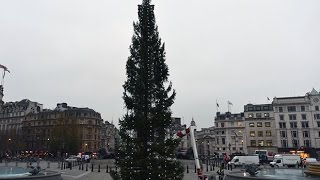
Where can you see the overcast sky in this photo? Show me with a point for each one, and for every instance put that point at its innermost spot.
(244, 51)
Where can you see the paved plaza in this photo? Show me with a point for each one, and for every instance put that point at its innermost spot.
(79, 174)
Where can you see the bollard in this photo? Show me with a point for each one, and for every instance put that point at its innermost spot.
(61, 165)
(91, 167)
(48, 165)
(27, 164)
(71, 166)
(207, 167)
(82, 167)
(58, 164)
(86, 167)
(195, 169)
(99, 168)
(64, 165)
(79, 167)
(107, 169)
(187, 168)
(16, 163)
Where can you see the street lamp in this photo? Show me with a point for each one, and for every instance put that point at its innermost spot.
(9, 145)
(235, 142)
(242, 145)
(48, 145)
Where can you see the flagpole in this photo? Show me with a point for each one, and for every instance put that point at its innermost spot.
(217, 105)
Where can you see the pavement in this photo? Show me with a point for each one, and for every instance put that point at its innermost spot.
(76, 174)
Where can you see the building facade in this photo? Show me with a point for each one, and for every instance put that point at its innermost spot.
(64, 129)
(260, 128)
(229, 133)
(297, 121)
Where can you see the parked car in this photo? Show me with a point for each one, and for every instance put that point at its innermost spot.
(72, 158)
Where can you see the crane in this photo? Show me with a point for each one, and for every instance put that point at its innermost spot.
(190, 131)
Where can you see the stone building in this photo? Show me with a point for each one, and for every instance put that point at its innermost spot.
(11, 116)
(206, 142)
(297, 123)
(109, 135)
(229, 133)
(64, 129)
(260, 128)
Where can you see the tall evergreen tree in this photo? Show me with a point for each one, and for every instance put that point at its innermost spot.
(148, 149)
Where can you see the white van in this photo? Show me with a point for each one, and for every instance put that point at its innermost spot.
(282, 160)
(244, 160)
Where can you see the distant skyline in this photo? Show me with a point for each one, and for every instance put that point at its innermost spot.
(242, 51)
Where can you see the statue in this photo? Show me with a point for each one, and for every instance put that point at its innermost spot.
(252, 169)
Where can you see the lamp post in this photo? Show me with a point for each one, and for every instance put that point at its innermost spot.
(9, 145)
(242, 145)
(229, 148)
(235, 142)
(48, 145)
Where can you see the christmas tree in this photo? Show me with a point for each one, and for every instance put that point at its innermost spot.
(147, 148)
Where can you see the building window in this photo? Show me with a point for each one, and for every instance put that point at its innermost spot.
(252, 134)
(280, 109)
(281, 117)
(305, 124)
(258, 115)
(269, 143)
(267, 124)
(217, 125)
(293, 125)
(222, 132)
(282, 125)
(284, 143)
(316, 116)
(253, 143)
(303, 108)
(259, 124)
(291, 108)
(260, 133)
(222, 124)
(268, 133)
(283, 134)
(318, 123)
(251, 124)
(250, 115)
(260, 143)
(223, 140)
(294, 134)
(306, 134)
(317, 108)
(303, 116)
(217, 140)
(292, 117)
(307, 143)
(295, 143)
(266, 115)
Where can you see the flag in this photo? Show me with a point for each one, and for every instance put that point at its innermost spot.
(230, 103)
(217, 105)
(268, 98)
